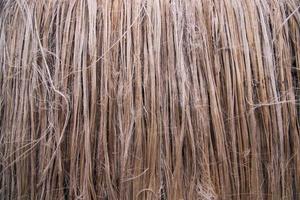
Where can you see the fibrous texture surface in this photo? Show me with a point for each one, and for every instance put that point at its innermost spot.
(149, 99)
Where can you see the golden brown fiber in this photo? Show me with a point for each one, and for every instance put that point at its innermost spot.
(149, 99)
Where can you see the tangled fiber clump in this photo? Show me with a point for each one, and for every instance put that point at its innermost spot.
(149, 99)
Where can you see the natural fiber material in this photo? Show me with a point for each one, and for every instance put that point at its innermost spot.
(149, 99)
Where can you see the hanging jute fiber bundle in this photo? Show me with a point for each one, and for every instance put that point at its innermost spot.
(149, 99)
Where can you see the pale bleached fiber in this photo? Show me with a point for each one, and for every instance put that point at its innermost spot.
(149, 99)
